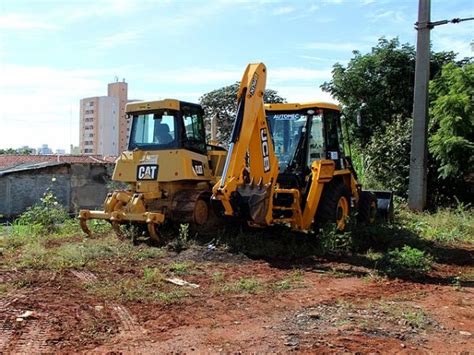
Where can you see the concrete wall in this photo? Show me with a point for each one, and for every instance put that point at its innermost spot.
(89, 185)
(76, 186)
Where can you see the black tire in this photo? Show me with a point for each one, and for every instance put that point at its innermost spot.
(328, 210)
(367, 209)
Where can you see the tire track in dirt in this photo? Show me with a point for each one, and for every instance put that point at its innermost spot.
(31, 340)
(84, 276)
(129, 324)
(31, 337)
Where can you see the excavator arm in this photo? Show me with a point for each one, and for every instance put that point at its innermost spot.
(251, 168)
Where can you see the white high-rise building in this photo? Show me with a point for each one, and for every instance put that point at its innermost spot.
(104, 129)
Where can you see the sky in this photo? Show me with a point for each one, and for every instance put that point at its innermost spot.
(55, 52)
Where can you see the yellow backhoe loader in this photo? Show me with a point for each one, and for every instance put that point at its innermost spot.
(286, 165)
(169, 168)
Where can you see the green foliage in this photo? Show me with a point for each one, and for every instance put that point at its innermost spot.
(37, 251)
(294, 280)
(452, 121)
(249, 285)
(333, 241)
(21, 151)
(223, 102)
(387, 157)
(181, 242)
(144, 289)
(446, 225)
(378, 85)
(48, 213)
(407, 261)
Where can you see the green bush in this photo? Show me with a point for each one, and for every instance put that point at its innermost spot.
(388, 157)
(48, 213)
(405, 262)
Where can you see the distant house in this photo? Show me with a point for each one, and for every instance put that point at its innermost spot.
(77, 181)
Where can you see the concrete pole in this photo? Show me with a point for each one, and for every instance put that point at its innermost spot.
(419, 150)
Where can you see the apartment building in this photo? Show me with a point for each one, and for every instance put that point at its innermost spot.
(104, 129)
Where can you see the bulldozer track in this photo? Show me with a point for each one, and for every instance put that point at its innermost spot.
(127, 320)
(129, 323)
(84, 276)
(33, 339)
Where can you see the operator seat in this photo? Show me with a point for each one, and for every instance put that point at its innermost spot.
(162, 134)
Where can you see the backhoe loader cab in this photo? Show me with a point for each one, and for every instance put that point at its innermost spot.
(169, 168)
(286, 165)
(303, 133)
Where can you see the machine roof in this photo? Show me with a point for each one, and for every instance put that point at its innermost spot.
(302, 106)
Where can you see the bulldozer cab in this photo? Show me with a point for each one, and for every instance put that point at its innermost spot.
(168, 124)
(303, 133)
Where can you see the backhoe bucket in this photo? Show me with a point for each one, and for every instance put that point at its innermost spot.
(384, 204)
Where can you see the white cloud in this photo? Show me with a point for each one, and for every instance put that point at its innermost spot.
(332, 2)
(304, 94)
(16, 21)
(119, 39)
(283, 10)
(313, 8)
(332, 46)
(41, 105)
(383, 15)
(296, 74)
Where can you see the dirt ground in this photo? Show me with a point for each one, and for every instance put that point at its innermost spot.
(241, 305)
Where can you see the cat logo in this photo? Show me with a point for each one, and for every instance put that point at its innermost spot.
(198, 168)
(147, 172)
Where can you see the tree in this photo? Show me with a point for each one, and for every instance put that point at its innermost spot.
(378, 86)
(7, 151)
(452, 121)
(223, 102)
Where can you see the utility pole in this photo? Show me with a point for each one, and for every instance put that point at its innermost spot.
(419, 148)
(419, 154)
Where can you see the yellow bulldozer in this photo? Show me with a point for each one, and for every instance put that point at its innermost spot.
(286, 165)
(169, 168)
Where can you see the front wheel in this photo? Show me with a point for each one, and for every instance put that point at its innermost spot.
(334, 206)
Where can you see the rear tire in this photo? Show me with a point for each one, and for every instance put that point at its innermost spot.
(367, 209)
(334, 207)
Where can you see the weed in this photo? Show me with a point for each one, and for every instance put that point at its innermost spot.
(294, 280)
(217, 277)
(179, 268)
(181, 242)
(47, 214)
(446, 225)
(250, 285)
(456, 283)
(332, 240)
(415, 319)
(149, 288)
(152, 276)
(405, 262)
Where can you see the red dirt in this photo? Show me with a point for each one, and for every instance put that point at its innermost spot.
(67, 318)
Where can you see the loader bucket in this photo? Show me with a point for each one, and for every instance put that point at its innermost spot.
(384, 205)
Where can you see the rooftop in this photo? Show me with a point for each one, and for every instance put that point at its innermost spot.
(12, 160)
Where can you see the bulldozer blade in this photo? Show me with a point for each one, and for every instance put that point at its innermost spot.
(384, 204)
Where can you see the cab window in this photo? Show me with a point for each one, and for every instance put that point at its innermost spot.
(193, 129)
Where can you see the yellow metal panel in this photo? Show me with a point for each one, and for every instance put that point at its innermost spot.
(173, 165)
(170, 104)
